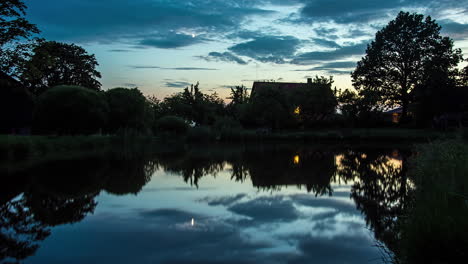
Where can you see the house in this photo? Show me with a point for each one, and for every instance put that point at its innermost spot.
(285, 86)
(16, 106)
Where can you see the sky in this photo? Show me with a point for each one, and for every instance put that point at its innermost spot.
(162, 46)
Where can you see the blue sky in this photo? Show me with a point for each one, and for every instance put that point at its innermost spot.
(161, 46)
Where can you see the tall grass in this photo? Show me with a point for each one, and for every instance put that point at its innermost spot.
(435, 230)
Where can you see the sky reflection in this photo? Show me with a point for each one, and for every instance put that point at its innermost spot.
(223, 222)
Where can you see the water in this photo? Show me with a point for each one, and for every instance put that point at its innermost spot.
(256, 204)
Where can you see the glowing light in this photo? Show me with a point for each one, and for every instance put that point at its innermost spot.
(193, 35)
(193, 222)
(296, 159)
(297, 110)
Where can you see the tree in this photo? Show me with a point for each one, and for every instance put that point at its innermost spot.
(13, 25)
(13, 29)
(239, 98)
(128, 108)
(400, 58)
(70, 110)
(193, 106)
(54, 63)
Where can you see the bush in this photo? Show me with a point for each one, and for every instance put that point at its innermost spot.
(128, 109)
(172, 124)
(70, 110)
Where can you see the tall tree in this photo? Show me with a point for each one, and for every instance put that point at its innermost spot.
(15, 30)
(400, 57)
(55, 63)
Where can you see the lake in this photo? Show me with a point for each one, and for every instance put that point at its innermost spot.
(208, 204)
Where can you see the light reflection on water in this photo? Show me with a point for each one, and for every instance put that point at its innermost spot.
(247, 206)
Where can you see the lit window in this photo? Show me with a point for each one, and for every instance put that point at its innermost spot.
(297, 110)
(296, 159)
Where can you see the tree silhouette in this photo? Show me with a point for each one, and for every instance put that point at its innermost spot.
(14, 30)
(403, 56)
(19, 230)
(54, 63)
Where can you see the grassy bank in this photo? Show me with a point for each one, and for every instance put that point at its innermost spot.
(21, 152)
(435, 229)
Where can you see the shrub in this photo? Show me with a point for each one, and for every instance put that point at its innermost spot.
(172, 124)
(70, 110)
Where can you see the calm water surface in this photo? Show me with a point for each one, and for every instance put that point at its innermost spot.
(265, 204)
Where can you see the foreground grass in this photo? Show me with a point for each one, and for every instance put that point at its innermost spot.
(435, 229)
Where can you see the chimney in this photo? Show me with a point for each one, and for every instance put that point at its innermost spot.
(309, 80)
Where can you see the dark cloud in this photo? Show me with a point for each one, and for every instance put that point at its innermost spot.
(275, 49)
(336, 250)
(455, 30)
(175, 84)
(170, 214)
(170, 41)
(190, 69)
(225, 56)
(337, 54)
(267, 209)
(362, 11)
(326, 43)
(175, 68)
(334, 67)
(130, 85)
(109, 21)
(144, 67)
(119, 50)
(246, 34)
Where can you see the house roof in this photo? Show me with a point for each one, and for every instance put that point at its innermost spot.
(277, 85)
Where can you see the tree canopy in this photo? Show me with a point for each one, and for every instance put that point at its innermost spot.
(55, 63)
(404, 55)
(13, 25)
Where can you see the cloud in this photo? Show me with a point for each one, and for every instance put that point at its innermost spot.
(225, 56)
(455, 30)
(170, 214)
(174, 68)
(176, 84)
(326, 43)
(119, 50)
(122, 21)
(130, 85)
(337, 54)
(267, 209)
(224, 200)
(144, 67)
(339, 249)
(170, 41)
(273, 49)
(334, 67)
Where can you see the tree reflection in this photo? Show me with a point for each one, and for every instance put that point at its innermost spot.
(381, 190)
(19, 230)
(61, 192)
